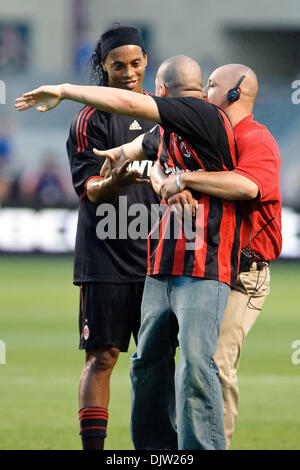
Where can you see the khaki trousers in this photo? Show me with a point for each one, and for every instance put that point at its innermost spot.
(244, 304)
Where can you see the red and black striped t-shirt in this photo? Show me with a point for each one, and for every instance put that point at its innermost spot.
(195, 136)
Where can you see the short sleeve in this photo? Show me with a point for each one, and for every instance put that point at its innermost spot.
(205, 128)
(87, 131)
(154, 145)
(191, 118)
(259, 164)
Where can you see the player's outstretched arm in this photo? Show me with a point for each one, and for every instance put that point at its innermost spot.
(111, 100)
(114, 179)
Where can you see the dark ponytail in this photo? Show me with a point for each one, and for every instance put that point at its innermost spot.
(97, 73)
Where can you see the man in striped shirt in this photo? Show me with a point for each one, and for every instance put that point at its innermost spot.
(186, 290)
(256, 181)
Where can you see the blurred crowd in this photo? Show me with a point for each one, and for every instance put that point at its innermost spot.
(46, 184)
(14, 49)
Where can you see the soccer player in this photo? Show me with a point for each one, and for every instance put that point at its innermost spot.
(111, 285)
(110, 272)
(185, 287)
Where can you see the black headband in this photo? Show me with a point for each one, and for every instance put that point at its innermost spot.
(121, 36)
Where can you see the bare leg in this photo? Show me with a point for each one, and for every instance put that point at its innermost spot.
(94, 385)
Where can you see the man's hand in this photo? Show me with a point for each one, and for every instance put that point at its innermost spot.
(106, 169)
(114, 158)
(121, 177)
(50, 96)
(157, 177)
(106, 189)
(179, 201)
(170, 187)
(132, 151)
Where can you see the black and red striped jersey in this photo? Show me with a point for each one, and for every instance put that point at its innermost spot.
(117, 259)
(195, 136)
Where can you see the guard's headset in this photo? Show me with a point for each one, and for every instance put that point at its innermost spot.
(233, 94)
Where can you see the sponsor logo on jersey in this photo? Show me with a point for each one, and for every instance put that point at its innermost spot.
(135, 126)
(175, 170)
(86, 332)
(143, 167)
(184, 150)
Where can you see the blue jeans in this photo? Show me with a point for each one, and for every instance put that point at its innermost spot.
(184, 311)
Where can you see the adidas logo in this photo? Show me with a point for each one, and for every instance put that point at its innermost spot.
(134, 126)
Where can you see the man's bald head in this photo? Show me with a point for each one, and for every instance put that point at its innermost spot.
(225, 78)
(179, 76)
(230, 74)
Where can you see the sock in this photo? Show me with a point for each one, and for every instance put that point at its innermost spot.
(93, 425)
(92, 443)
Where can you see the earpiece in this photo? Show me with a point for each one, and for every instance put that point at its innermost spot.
(233, 94)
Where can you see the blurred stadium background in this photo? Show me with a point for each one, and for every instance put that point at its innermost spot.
(50, 42)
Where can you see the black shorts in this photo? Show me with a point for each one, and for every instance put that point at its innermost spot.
(109, 313)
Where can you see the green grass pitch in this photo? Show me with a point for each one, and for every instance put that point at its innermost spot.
(38, 394)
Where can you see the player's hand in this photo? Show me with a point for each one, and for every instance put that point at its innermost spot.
(121, 177)
(106, 169)
(50, 96)
(183, 201)
(169, 187)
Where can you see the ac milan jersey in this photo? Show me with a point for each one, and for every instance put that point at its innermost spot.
(117, 258)
(196, 136)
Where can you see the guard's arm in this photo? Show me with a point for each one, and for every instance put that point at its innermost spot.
(226, 185)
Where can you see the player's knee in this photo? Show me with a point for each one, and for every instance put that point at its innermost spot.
(102, 360)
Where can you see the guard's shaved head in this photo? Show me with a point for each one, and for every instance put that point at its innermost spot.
(181, 75)
(230, 74)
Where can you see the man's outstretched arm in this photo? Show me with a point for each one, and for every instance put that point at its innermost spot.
(111, 100)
